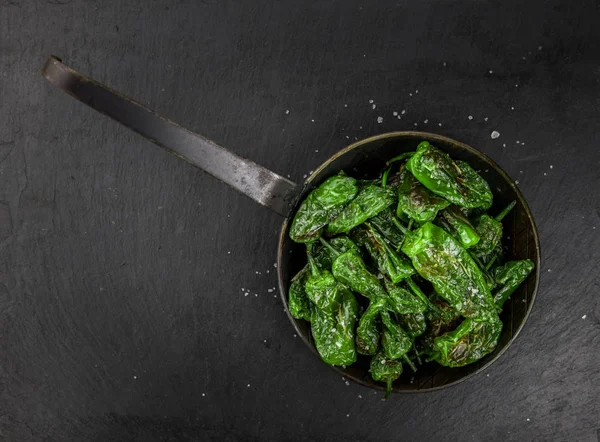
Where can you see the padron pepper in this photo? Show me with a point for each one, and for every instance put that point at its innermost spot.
(441, 259)
(416, 201)
(334, 334)
(509, 277)
(324, 291)
(390, 263)
(490, 231)
(350, 269)
(415, 324)
(298, 303)
(385, 370)
(321, 206)
(455, 181)
(460, 225)
(384, 223)
(367, 332)
(395, 342)
(473, 340)
(369, 202)
(402, 301)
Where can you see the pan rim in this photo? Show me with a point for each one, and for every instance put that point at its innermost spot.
(428, 136)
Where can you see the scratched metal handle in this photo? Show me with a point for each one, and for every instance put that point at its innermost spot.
(263, 186)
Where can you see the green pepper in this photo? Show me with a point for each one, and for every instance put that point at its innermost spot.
(385, 370)
(298, 303)
(471, 341)
(461, 226)
(333, 334)
(350, 269)
(395, 342)
(367, 332)
(415, 324)
(402, 301)
(321, 206)
(490, 230)
(369, 202)
(396, 266)
(416, 201)
(384, 223)
(509, 277)
(455, 181)
(322, 288)
(440, 259)
(439, 323)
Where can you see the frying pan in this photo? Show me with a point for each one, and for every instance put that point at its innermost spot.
(361, 159)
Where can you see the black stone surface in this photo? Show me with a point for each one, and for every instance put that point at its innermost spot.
(122, 314)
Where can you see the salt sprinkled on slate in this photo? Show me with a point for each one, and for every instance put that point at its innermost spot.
(584, 316)
(374, 106)
(470, 117)
(551, 166)
(380, 120)
(203, 394)
(312, 121)
(425, 121)
(491, 72)
(440, 124)
(495, 134)
(403, 111)
(287, 112)
(395, 114)
(371, 101)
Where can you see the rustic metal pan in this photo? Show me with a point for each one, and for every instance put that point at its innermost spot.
(281, 195)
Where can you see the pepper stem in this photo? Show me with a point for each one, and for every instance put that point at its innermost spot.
(400, 157)
(508, 208)
(329, 247)
(388, 389)
(489, 264)
(422, 296)
(483, 268)
(410, 363)
(399, 225)
(417, 354)
(410, 224)
(314, 270)
(384, 178)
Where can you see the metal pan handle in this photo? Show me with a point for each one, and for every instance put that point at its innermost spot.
(263, 186)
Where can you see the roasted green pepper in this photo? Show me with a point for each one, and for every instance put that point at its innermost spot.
(384, 223)
(402, 301)
(367, 332)
(416, 201)
(333, 334)
(321, 206)
(298, 303)
(455, 181)
(471, 341)
(350, 269)
(369, 202)
(440, 259)
(395, 342)
(415, 324)
(509, 277)
(385, 370)
(390, 263)
(490, 231)
(324, 291)
(461, 226)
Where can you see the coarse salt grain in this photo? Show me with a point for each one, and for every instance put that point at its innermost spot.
(470, 117)
(287, 112)
(395, 114)
(380, 120)
(495, 134)
(584, 316)
(403, 111)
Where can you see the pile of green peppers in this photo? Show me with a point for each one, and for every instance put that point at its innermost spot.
(375, 248)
